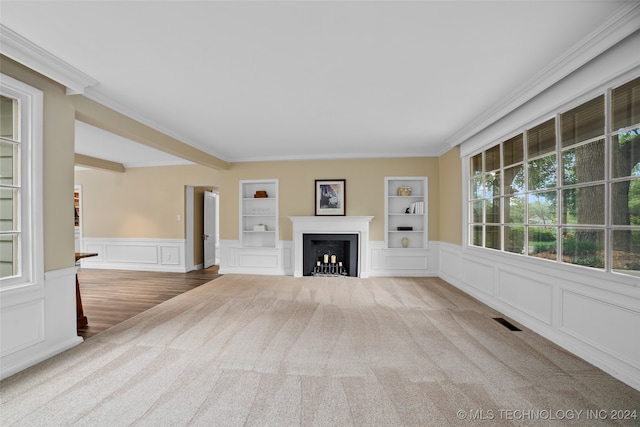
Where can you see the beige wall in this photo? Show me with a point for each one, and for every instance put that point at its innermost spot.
(139, 203)
(59, 128)
(144, 202)
(364, 187)
(450, 205)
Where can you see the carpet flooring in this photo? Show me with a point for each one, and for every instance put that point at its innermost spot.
(248, 350)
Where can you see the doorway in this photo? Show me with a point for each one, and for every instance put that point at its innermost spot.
(77, 212)
(211, 236)
(195, 226)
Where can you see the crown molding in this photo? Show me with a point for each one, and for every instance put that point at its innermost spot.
(36, 58)
(624, 22)
(29, 54)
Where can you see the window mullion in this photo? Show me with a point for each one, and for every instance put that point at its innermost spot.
(559, 189)
(484, 199)
(525, 166)
(608, 158)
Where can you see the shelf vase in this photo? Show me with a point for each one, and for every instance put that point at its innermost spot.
(404, 191)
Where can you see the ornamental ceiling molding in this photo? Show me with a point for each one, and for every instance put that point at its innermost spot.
(619, 26)
(76, 82)
(29, 54)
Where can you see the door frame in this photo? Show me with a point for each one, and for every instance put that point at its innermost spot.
(78, 233)
(215, 236)
(189, 218)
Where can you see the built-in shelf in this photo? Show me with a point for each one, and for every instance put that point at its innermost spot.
(406, 212)
(258, 214)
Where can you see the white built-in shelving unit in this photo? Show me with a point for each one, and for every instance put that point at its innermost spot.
(404, 211)
(259, 215)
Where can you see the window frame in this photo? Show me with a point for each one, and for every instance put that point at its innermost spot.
(31, 194)
(477, 242)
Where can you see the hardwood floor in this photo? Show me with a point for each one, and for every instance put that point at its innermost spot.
(113, 296)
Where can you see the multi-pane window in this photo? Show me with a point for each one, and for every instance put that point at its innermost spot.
(625, 176)
(582, 195)
(9, 187)
(567, 189)
(21, 220)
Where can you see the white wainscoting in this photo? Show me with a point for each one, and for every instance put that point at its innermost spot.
(38, 322)
(280, 260)
(135, 254)
(29, 316)
(236, 259)
(527, 294)
(401, 262)
(593, 315)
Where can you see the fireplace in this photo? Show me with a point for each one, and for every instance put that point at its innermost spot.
(340, 226)
(330, 254)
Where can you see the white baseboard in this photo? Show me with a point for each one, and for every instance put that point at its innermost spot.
(135, 254)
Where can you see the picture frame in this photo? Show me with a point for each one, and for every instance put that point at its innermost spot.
(331, 197)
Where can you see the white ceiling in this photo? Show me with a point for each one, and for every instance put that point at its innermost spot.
(269, 80)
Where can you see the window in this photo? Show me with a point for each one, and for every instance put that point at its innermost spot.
(567, 189)
(21, 260)
(9, 187)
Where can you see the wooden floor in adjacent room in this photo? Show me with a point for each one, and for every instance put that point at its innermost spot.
(113, 296)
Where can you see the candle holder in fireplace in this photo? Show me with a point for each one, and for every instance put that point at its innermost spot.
(329, 269)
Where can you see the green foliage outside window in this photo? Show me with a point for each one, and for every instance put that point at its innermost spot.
(568, 193)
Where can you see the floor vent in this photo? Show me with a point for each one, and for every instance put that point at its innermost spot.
(510, 326)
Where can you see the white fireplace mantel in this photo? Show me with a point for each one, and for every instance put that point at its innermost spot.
(331, 225)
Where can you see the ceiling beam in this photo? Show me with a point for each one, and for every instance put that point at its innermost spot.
(100, 116)
(95, 163)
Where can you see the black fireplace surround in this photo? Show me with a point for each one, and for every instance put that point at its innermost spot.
(343, 246)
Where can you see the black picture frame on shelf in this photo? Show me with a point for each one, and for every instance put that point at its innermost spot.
(331, 197)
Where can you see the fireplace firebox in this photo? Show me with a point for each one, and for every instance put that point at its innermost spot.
(348, 224)
(330, 254)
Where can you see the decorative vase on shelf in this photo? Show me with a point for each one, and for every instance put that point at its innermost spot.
(404, 191)
(405, 242)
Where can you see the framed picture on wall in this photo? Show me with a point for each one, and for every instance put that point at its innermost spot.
(331, 197)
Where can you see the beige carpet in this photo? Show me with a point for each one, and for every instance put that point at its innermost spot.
(258, 350)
